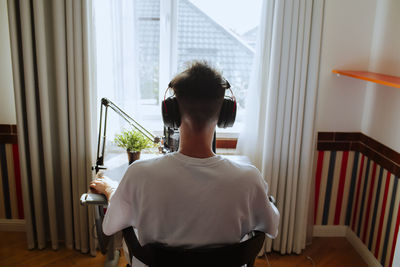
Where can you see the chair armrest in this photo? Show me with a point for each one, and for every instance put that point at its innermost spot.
(93, 199)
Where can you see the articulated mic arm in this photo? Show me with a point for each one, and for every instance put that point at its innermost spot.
(106, 243)
(105, 104)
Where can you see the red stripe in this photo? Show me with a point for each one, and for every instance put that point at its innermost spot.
(396, 231)
(371, 189)
(357, 193)
(339, 199)
(318, 182)
(17, 172)
(385, 195)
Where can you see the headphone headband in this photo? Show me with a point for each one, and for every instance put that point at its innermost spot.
(228, 85)
(172, 118)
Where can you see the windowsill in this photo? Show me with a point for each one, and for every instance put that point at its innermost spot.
(227, 135)
(226, 151)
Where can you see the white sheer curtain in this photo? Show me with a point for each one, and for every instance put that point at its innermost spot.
(279, 136)
(116, 56)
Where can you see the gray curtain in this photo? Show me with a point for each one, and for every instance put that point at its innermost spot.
(50, 43)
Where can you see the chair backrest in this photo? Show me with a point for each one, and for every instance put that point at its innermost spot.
(232, 255)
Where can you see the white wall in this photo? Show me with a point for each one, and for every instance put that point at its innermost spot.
(7, 104)
(356, 38)
(382, 106)
(346, 44)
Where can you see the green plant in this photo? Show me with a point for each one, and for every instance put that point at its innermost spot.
(132, 141)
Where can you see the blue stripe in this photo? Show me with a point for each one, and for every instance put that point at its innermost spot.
(378, 192)
(329, 188)
(389, 222)
(6, 188)
(352, 188)
(364, 192)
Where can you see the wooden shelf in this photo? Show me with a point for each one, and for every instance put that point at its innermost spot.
(388, 80)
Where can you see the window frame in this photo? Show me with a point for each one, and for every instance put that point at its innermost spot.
(168, 43)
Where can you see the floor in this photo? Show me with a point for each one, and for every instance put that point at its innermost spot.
(324, 251)
(332, 251)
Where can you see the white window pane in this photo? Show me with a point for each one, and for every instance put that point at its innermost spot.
(148, 34)
(148, 17)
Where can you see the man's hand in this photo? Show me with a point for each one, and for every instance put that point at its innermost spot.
(104, 185)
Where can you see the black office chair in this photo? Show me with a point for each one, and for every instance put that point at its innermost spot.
(233, 255)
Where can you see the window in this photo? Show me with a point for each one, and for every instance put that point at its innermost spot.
(142, 44)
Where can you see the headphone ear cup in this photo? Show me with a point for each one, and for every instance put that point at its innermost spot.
(227, 114)
(170, 113)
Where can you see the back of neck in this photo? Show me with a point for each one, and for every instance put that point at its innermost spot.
(196, 144)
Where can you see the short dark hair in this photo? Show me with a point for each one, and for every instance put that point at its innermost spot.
(200, 90)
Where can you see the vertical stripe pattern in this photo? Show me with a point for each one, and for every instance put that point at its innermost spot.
(329, 187)
(11, 206)
(4, 176)
(359, 182)
(389, 222)
(362, 202)
(367, 218)
(18, 184)
(351, 189)
(376, 205)
(318, 182)
(396, 232)
(342, 178)
(382, 216)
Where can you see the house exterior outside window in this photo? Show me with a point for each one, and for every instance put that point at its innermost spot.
(199, 37)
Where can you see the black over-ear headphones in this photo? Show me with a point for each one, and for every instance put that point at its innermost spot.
(172, 117)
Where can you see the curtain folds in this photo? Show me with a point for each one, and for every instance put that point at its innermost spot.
(51, 55)
(279, 137)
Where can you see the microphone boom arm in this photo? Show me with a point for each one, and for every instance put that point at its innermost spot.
(106, 103)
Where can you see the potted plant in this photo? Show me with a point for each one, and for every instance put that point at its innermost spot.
(134, 142)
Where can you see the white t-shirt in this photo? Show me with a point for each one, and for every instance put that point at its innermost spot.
(183, 201)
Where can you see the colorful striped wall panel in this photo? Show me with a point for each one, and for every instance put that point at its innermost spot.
(11, 206)
(353, 190)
